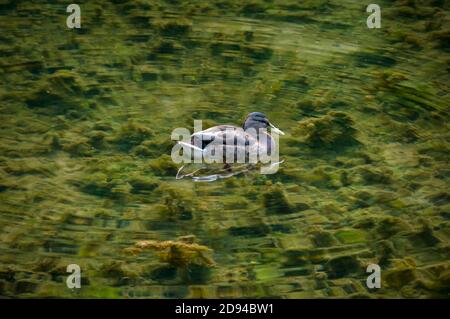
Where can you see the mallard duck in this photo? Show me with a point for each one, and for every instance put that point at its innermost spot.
(246, 142)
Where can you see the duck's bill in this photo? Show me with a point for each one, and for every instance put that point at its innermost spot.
(276, 130)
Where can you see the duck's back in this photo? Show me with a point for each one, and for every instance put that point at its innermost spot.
(221, 134)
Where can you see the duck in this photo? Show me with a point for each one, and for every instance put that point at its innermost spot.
(246, 141)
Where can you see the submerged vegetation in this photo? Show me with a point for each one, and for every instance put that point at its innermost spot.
(334, 130)
(177, 253)
(86, 172)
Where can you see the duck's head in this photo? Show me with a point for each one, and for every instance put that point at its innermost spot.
(259, 120)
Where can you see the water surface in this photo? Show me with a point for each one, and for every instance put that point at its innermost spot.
(85, 148)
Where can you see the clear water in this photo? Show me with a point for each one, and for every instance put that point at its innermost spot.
(85, 166)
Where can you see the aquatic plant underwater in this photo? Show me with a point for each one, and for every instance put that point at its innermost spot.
(87, 177)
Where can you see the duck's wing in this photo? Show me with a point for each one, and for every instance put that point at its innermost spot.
(199, 140)
(220, 134)
(212, 134)
(215, 130)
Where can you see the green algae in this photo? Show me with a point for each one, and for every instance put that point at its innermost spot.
(351, 236)
(85, 167)
(322, 238)
(130, 135)
(191, 260)
(334, 130)
(342, 266)
(163, 166)
(276, 201)
(59, 93)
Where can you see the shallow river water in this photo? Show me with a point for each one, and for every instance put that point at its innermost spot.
(86, 172)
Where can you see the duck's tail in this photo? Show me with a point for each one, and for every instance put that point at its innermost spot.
(190, 146)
